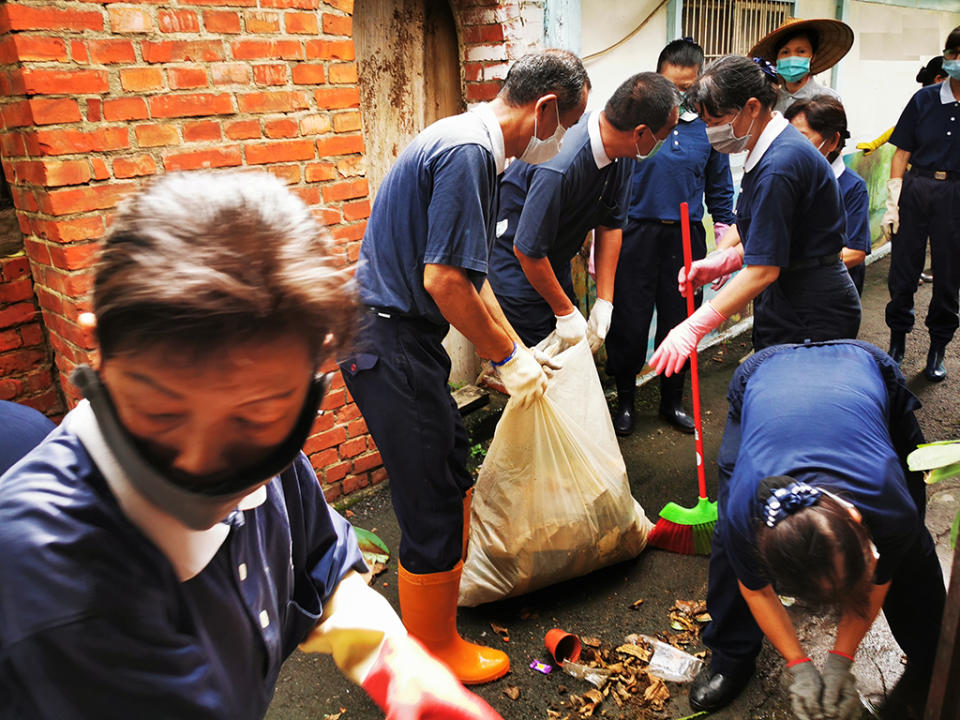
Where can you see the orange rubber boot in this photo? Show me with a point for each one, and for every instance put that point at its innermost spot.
(428, 606)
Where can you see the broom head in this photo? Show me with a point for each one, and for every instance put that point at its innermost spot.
(688, 531)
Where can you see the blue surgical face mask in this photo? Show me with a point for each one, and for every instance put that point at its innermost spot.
(952, 68)
(793, 68)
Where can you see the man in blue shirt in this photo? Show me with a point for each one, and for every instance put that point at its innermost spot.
(422, 267)
(168, 546)
(652, 252)
(547, 210)
(926, 167)
(857, 540)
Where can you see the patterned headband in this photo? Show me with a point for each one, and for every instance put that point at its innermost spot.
(769, 69)
(785, 501)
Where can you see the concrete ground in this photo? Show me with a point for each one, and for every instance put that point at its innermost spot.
(661, 468)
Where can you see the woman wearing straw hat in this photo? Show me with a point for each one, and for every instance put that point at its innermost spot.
(801, 49)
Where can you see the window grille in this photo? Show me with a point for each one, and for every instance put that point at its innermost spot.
(724, 27)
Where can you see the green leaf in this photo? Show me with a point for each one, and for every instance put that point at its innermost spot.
(934, 455)
(942, 473)
(372, 547)
(954, 529)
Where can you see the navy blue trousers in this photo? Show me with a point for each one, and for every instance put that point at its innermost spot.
(532, 319)
(398, 378)
(913, 606)
(931, 208)
(650, 259)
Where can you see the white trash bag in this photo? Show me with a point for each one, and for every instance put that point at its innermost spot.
(552, 500)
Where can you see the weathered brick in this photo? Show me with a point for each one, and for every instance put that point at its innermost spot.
(341, 73)
(320, 172)
(14, 267)
(156, 135)
(141, 79)
(230, 73)
(222, 21)
(227, 156)
(308, 74)
(483, 34)
(264, 102)
(31, 335)
(26, 17)
(342, 145)
(346, 121)
(182, 51)
(16, 291)
(12, 145)
(337, 24)
(53, 173)
(357, 210)
(267, 49)
(68, 141)
(75, 256)
(345, 5)
(289, 174)
(482, 92)
(335, 97)
(89, 227)
(344, 190)
(186, 78)
(178, 21)
(79, 52)
(324, 458)
(338, 471)
(34, 48)
(353, 447)
(353, 166)
(366, 462)
(60, 82)
(302, 23)
(352, 482)
(270, 74)
(315, 124)
(125, 108)
(20, 362)
(24, 312)
(282, 151)
(201, 131)
(111, 50)
(258, 22)
(134, 166)
(242, 129)
(330, 49)
(68, 201)
(125, 19)
(320, 441)
(168, 106)
(281, 128)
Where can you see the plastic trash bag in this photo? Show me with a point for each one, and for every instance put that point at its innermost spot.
(552, 500)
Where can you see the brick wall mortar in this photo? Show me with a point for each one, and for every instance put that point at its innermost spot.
(97, 98)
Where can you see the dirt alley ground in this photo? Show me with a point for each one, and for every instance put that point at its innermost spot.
(661, 468)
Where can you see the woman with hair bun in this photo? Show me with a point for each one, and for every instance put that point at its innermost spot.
(823, 121)
(789, 229)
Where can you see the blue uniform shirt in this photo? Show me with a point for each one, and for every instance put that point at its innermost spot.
(94, 621)
(436, 205)
(839, 423)
(21, 429)
(929, 129)
(789, 205)
(856, 207)
(549, 208)
(682, 170)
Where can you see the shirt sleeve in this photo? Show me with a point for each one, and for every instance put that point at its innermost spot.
(904, 132)
(856, 204)
(772, 212)
(719, 188)
(616, 215)
(540, 218)
(458, 215)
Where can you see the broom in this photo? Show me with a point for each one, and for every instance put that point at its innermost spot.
(688, 530)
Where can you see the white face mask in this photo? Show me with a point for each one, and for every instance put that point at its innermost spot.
(723, 140)
(539, 151)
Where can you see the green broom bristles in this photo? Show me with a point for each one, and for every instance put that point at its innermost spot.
(688, 531)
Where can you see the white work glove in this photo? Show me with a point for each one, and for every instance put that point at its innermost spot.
(713, 266)
(547, 360)
(806, 688)
(680, 342)
(840, 698)
(522, 376)
(890, 223)
(571, 327)
(599, 323)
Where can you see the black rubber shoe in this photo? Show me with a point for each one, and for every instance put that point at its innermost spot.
(711, 691)
(935, 371)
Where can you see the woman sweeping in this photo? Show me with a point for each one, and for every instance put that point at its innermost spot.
(789, 232)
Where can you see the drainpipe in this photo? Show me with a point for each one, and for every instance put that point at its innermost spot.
(562, 24)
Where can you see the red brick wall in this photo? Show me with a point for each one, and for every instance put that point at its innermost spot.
(96, 96)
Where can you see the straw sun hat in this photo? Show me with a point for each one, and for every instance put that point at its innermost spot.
(835, 40)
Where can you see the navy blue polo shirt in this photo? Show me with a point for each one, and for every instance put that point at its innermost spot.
(929, 129)
(437, 204)
(837, 424)
(94, 621)
(547, 210)
(789, 205)
(684, 168)
(21, 430)
(856, 207)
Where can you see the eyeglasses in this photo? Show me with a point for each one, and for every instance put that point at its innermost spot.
(951, 53)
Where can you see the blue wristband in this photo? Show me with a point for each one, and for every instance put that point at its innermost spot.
(507, 359)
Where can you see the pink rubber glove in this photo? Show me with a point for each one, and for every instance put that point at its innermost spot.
(719, 230)
(683, 339)
(408, 683)
(713, 266)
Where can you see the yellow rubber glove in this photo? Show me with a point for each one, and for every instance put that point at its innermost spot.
(869, 147)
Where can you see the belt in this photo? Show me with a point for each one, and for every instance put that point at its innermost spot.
(809, 263)
(933, 174)
(389, 313)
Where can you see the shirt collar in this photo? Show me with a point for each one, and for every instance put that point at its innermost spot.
(777, 125)
(492, 125)
(596, 142)
(189, 551)
(946, 93)
(838, 166)
(688, 116)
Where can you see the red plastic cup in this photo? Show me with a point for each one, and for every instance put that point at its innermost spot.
(562, 645)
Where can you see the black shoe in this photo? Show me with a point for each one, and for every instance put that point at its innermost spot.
(935, 371)
(711, 691)
(898, 346)
(623, 420)
(677, 417)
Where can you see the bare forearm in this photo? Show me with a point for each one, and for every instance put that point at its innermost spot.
(853, 627)
(496, 312)
(606, 255)
(852, 258)
(898, 164)
(772, 618)
(539, 273)
(730, 238)
(463, 308)
(743, 288)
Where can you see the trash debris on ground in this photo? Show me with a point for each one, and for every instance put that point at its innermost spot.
(503, 632)
(594, 676)
(541, 667)
(670, 663)
(375, 552)
(512, 692)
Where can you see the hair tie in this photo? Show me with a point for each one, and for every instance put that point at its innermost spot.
(769, 69)
(690, 40)
(785, 501)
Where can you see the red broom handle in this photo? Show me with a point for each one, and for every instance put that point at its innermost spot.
(694, 374)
